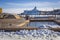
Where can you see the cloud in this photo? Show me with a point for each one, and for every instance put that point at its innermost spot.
(20, 7)
(21, 10)
(15, 10)
(38, 4)
(12, 10)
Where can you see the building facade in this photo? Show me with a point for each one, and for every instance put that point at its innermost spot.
(36, 13)
(0, 10)
(31, 12)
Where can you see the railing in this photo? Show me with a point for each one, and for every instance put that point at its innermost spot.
(43, 16)
(39, 15)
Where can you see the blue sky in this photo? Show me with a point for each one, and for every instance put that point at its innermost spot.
(18, 6)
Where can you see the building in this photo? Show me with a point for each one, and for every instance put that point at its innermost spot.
(0, 10)
(31, 12)
(36, 13)
(56, 12)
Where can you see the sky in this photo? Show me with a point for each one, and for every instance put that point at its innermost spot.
(18, 6)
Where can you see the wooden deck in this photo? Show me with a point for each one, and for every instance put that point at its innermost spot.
(24, 23)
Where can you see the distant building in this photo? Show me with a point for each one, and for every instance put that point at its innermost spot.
(0, 10)
(36, 13)
(57, 11)
(31, 12)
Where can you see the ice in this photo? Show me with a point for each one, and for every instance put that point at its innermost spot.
(42, 34)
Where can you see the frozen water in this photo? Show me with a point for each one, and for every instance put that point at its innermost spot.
(42, 34)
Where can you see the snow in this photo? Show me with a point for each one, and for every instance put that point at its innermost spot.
(42, 34)
(53, 26)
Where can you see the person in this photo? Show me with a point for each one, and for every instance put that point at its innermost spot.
(27, 17)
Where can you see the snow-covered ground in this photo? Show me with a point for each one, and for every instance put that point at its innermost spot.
(43, 34)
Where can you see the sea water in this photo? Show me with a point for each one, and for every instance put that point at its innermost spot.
(42, 24)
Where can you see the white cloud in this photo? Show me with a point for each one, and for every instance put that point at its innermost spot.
(20, 7)
(21, 10)
(15, 10)
(12, 10)
(38, 4)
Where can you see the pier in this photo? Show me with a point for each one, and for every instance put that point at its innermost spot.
(51, 18)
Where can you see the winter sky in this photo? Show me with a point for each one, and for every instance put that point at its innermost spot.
(18, 6)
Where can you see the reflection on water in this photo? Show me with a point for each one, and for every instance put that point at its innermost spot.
(41, 24)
